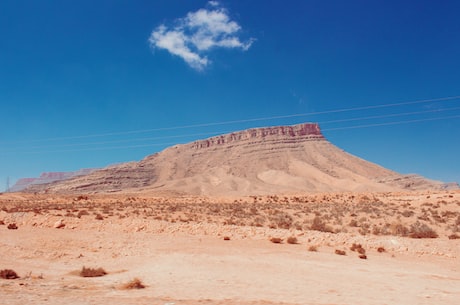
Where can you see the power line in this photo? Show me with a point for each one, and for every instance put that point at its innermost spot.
(424, 101)
(222, 132)
(168, 144)
(388, 115)
(393, 123)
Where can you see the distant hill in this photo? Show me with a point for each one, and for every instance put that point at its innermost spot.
(45, 178)
(282, 159)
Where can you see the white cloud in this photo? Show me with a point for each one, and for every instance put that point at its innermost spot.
(213, 3)
(197, 33)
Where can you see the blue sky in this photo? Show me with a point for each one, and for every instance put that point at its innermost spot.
(91, 83)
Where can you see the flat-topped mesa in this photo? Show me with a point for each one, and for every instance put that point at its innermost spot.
(302, 132)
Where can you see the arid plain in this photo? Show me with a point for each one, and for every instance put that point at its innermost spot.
(399, 248)
(275, 215)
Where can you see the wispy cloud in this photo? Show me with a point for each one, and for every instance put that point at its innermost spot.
(198, 33)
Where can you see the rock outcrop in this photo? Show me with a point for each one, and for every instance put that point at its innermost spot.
(256, 161)
(297, 133)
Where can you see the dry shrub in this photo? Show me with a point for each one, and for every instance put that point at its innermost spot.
(82, 213)
(12, 226)
(340, 252)
(99, 217)
(407, 213)
(319, 225)
(292, 240)
(2, 223)
(8, 274)
(421, 230)
(313, 248)
(226, 238)
(358, 248)
(276, 240)
(381, 249)
(34, 277)
(399, 229)
(353, 223)
(134, 284)
(92, 272)
(454, 236)
(362, 256)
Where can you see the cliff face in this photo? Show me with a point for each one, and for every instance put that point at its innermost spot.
(255, 161)
(307, 131)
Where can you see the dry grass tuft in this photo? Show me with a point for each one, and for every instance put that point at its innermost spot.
(398, 229)
(319, 225)
(292, 240)
(358, 248)
(92, 272)
(276, 240)
(134, 284)
(313, 248)
(8, 274)
(421, 230)
(12, 226)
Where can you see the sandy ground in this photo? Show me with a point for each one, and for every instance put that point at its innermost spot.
(184, 259)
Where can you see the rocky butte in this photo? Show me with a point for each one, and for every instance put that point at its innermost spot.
(268, 160)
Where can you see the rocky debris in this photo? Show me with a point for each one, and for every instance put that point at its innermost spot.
(59, 224)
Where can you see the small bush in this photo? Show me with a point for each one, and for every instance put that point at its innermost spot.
(407, 213)
(340, 252)
(313, 248)
(353, 223)
(12, 226)
(454, 236)
(292, 240)
(421, 230)
(276, 240)
(319, 225)
(381, 249)
(362, 256)
(134, 284)
(358, 248)
(8, 274)
(99, 217)
(399, 229)
(226, 238)
(82, 213)
(91, 272)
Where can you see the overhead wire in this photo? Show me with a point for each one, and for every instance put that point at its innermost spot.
(437, 110)
(175, 143)
(226, 131)
(393, 123)
(423, 101)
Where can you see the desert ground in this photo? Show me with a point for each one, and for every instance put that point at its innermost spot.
(322, 248)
